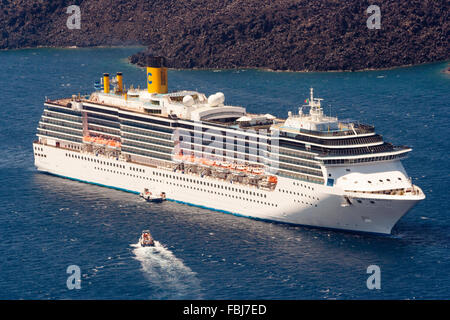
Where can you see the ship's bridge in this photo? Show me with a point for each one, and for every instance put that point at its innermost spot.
(315, 123)
(311, 122)
(315, 120)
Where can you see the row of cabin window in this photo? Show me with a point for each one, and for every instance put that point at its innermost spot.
(104, 162)
(120, 172)
(297, 176)
(303, 185)
(170, 176)
(227, 195)
(304, 202)
(62, 123)
(358, 160)
(208, 184)
(191, 187)
(75, 147)
(39, 154)
(59, 136)
(297, 194)
(388, 180)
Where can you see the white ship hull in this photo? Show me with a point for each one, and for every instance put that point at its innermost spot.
(292, 201)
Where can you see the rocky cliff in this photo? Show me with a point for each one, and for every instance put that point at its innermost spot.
(279, 34)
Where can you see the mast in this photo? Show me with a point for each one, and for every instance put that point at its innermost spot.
(315, 111)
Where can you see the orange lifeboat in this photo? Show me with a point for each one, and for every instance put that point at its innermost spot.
(208, 162)
(273, 179)
(98, 140)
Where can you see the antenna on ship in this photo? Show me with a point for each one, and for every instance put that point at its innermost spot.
(314, 102)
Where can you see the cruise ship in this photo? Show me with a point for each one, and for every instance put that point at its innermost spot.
(309, 169)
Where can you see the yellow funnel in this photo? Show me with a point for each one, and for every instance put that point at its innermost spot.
(119, 82)
(164, 84)
(156, 75)
(106, 83)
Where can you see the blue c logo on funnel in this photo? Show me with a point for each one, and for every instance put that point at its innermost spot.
(149, 75)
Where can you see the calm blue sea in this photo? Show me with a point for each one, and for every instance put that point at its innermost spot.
(48, 223)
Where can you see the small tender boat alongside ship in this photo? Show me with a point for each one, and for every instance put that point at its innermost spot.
(149, 196)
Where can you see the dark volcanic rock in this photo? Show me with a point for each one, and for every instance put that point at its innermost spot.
(279, 34)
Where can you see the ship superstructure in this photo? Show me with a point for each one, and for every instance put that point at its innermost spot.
(308, 169)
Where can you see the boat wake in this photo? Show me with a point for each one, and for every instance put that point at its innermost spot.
(169, 277)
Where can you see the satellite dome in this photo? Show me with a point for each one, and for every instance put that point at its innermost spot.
(216, 99)
(188, 101)
(221, 97)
